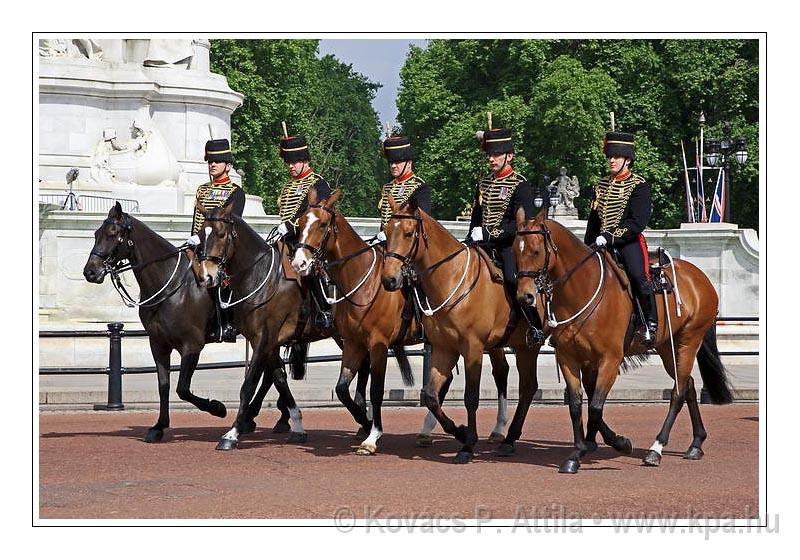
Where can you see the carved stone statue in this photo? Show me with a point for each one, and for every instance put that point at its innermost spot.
(567, 188)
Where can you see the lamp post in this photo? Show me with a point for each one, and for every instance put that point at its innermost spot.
(719, 153)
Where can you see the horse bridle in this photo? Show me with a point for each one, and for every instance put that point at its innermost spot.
(111, 259)
(540, 277)
(201, 250)
(316, 252)
(419, 233)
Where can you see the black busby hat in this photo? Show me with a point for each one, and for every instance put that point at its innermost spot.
(219, 150)
(497, 141)
(397, 148)
(294, 148)
(619, 144)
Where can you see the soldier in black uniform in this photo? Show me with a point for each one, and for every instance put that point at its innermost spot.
(405, 185)
(620, 210)
(217, 192)
(493, 222)
(293, 201)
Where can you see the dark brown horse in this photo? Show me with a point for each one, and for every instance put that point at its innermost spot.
(268, 313)
(368, 317)
(473, 312)
(173, 309)
(585, 302)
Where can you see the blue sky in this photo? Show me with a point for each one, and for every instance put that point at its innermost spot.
(379, 60)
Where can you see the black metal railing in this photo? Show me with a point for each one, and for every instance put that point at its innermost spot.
(115, 371)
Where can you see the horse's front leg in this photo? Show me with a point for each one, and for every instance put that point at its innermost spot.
(230, 440)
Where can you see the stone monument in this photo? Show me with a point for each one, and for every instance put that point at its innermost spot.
(565, 189)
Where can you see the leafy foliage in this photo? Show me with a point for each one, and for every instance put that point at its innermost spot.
(557, 95)
(323, 99)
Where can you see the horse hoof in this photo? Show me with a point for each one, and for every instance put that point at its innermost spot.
(153, 436)
(281, 427)
(623, 445)
(505, 450)
(591, 447)
(298, 437)
(570, 466)
(424, 440)
(216, 408)
(247, 427)
(652, 459)
(694, 454)
(463, 457)
(226, 444)
(496, 437)
(367, 449)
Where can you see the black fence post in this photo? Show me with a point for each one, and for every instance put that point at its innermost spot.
(114, 368)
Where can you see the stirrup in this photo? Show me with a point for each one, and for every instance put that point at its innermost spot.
(323, 319)
(534, 337)
(229, 333)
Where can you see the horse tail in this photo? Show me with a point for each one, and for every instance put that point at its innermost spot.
(715, 378)
(298, 352)
(405, 367)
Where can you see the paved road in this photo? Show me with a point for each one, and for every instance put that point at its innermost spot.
(94, 465)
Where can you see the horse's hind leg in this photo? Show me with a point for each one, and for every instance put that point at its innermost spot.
(161, 357)
(500, 375)
(685, 355)
(274, 365)
(528, 385)
(699, 434)
(188, 365)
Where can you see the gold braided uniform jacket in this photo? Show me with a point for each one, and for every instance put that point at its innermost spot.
(293, 198)
(621, 208)
(496, 201)
(214, 195)
(402, 192)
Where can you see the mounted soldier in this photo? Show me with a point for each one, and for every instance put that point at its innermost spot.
(405, 185)
(620, 211)
(497, 198)
(219, 191)
(292, 203)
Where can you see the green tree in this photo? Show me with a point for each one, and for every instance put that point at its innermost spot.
(283, 80)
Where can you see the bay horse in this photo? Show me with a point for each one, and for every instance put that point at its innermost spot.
(580, 285)
(368, 317)
(173, 309)
(269, 315)
(473, 313)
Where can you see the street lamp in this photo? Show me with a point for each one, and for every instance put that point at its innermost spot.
(719, 153)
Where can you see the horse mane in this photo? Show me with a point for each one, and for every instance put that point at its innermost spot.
(149, 233)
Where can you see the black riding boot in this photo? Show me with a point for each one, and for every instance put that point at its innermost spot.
(229, 331)
(324, 317)
(648, 303)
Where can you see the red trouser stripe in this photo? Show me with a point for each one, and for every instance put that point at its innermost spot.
(643, 245)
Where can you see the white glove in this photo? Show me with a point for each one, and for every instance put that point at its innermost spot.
(476, 234)
(381, 236)
(600, 241)
(282, 230)
(193, 241)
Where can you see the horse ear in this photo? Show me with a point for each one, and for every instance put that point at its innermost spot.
(392, 203)
(334, 198)
(542, 214)
(116, 210)
(411, 204)
(313, 196)
(520, 215)
(201, 208)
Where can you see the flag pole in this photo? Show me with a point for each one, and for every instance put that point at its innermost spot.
(689, 203)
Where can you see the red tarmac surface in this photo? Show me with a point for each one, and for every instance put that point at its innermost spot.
(96, 466)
